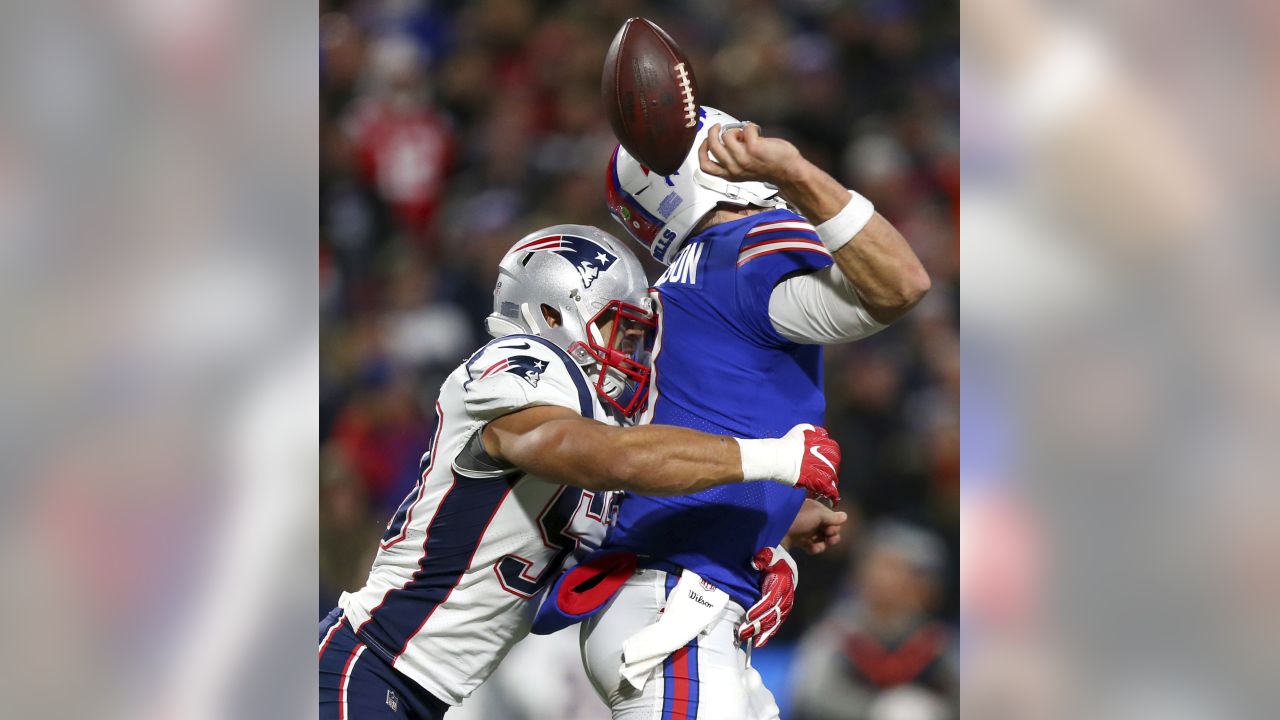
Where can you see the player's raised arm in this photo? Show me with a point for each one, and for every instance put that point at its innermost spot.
(558, 444)
(885, 276)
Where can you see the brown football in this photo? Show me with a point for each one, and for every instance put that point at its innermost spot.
(650, 95)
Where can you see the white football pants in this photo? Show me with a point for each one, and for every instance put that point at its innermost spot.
(711, 678)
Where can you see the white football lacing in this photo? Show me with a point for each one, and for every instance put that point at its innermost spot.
(686, 90)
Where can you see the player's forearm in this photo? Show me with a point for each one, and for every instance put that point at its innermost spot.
(658, 459)
(652, 459)
(817, 195)
(666, 460)
(876, 258)
(885, 271)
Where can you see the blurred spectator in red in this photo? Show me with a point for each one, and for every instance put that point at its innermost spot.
(382, 433)
(882, 639)
(404, 147)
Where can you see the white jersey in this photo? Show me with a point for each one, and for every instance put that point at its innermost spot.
(473, 541)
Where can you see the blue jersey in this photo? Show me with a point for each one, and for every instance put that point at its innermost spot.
(720, 367)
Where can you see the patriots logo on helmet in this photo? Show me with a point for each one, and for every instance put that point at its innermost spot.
(527, 368)
(587, 256)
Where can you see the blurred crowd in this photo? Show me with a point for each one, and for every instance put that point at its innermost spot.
(448, 130)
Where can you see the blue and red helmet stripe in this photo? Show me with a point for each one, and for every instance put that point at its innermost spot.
(642, 224)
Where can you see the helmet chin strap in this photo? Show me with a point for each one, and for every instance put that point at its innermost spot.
(737, 192)
(613, 384)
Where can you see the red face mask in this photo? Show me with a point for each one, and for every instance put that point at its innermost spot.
(627, 331)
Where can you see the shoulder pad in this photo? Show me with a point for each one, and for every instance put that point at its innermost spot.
(782, 232)
(519, 371)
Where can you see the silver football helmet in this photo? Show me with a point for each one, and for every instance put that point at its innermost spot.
(597, 287)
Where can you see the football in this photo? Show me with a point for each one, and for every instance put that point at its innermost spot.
(650, 95)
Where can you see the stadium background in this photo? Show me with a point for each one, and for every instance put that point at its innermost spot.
(448, 130)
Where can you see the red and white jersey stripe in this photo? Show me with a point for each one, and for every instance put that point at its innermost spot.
(783, 236)
(803, 227)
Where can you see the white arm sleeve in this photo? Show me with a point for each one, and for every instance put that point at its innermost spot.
(820, 308)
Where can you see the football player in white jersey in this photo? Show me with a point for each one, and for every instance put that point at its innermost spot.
(515, 480)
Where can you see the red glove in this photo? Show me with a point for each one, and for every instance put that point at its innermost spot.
(819, 466)
(778, 594)
(805, 457)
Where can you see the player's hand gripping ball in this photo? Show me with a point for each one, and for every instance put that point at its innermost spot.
(739, 153)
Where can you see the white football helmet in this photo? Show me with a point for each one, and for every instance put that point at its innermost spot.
(660, 211)
(596, 285)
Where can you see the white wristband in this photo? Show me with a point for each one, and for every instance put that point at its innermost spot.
(769, 460)
(839, 230)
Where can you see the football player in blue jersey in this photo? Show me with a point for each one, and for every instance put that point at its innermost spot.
(769, 258)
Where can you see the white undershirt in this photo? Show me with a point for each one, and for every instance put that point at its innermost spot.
(820, 308)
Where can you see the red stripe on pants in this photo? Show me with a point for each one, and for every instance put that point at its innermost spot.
(346, 678)
(680, 672)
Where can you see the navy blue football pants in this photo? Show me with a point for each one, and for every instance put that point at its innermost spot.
(357, 683)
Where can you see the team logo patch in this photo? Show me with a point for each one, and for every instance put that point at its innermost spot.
(669, 204)
(528, 368)
(587, 256)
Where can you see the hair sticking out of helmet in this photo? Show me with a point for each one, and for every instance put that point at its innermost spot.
(661, 211)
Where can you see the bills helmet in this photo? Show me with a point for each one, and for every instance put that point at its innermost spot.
(596, 286)
(660, 211)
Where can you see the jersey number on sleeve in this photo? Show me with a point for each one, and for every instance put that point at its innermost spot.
(521, 576)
